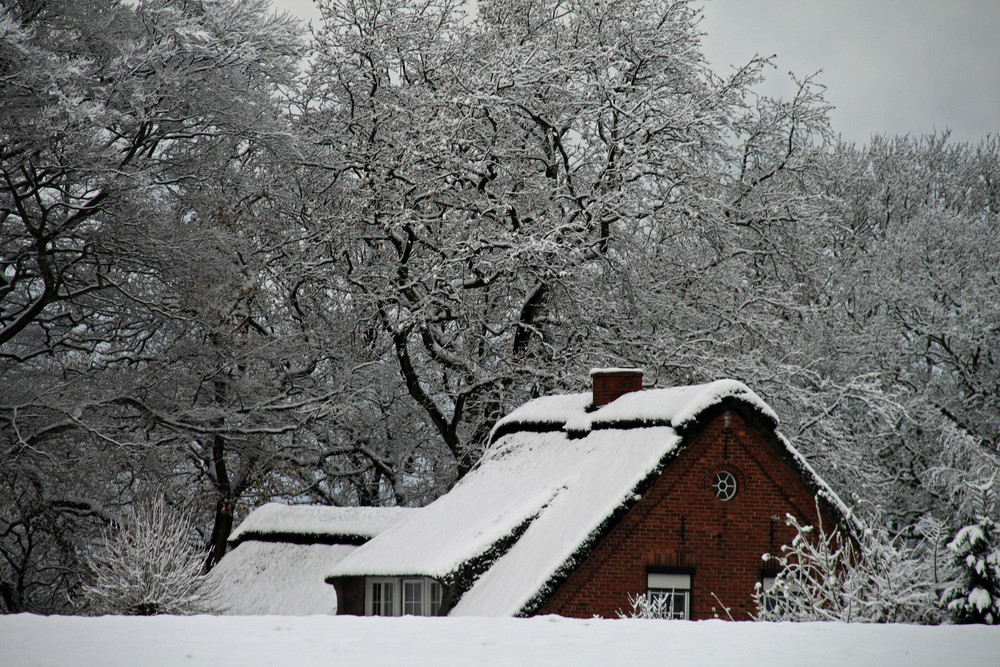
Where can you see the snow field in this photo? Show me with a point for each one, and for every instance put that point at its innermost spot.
(112, 641)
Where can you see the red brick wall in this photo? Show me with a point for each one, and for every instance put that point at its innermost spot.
(610, 384)
(679, 522)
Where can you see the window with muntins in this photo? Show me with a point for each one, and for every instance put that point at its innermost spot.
(669, 594)
(413, 597)
(724, 485)
(381, 597)
(435, 608)
(399, 596)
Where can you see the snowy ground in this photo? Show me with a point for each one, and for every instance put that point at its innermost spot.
(28, 641)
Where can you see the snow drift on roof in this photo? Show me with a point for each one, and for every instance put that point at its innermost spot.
(557, 490)
(278, 519)
(275, 578)
(553, 411)
(488, 505)
(822, 488)
(675, 406)
(614, 371)
(592, 478)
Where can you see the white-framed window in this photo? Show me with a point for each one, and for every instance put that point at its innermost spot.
(724, 485)
(413, 597)
(401, 596)
(435, 598)
(669, 594)
(380, 597)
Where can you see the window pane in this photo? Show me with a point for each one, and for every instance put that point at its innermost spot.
(383, 598)
(668, 581)
(435, 598)
(679, 605)
(389, 598)
(772, 598)
(413, 600)
(376, 599)
(668, 603)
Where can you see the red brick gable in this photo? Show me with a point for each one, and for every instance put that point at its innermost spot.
(679, 522)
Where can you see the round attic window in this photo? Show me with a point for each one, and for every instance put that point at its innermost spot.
(724, 485)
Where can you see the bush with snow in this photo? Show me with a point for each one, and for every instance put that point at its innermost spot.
(975, 597)
(866, 579)
(642, 606)
(148, 564)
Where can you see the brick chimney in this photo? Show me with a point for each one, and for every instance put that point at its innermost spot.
(610, 383)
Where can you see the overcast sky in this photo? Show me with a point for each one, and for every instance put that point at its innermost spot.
(890, 66)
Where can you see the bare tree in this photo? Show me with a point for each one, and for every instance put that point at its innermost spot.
(106, 110)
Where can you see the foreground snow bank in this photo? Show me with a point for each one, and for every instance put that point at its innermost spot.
(110, 641)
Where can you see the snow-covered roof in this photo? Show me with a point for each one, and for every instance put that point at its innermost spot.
(519, 482)
(280, 554)
(555, 474)
(276, 578)
(275, 521)
(676, 407)
(588, 479)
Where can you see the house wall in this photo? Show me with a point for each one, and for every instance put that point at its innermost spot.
(679, 523)
(350, 595)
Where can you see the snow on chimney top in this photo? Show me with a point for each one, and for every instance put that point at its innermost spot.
(610, 383)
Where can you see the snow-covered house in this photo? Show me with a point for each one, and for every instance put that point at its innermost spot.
(585, 500)
(280, 554)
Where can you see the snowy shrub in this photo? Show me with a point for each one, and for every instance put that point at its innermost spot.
(645, 607)
(829, 577)
(975, 596)
(148, 565)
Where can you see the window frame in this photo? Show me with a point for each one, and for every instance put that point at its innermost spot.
(384, 584)
(724, 485)
(408, 603)
(429, 590)
(773, 599)
(671, 583)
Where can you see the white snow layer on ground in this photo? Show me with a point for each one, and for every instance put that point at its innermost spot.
(117, 641)
(319, 520)
(276, 578)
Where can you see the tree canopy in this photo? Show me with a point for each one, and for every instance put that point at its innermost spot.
(239, 262)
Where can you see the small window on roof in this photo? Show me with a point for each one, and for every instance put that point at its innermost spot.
(396, 596)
